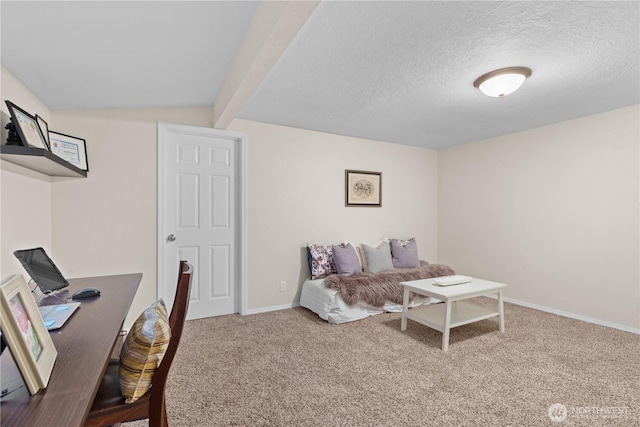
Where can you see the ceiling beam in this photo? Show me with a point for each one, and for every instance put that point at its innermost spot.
(274, 26)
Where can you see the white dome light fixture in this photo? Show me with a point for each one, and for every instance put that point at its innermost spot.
(502, 82)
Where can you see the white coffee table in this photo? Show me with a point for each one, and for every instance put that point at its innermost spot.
(454, 312)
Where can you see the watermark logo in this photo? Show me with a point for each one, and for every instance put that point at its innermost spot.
(558, 412)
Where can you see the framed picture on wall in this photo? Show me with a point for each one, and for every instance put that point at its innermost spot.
(363, 188)
(25, 333)
(69, 148)
(26, 127)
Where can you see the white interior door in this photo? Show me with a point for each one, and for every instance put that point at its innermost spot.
(199, 216)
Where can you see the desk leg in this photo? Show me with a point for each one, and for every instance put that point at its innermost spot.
(117, 345)
(501, 310)
(447, 326)
(405, 308)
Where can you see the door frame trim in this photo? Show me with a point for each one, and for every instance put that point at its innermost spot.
(241, 207)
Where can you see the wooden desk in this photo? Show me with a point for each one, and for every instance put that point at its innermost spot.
(84, 347)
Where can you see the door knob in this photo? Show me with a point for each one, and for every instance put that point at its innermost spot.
(171, 237)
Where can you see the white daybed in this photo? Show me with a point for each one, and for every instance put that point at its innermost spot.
(328, 304)
(362, 292)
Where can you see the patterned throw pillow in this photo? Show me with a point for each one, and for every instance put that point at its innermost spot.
(143, 351)
(404, 253)
(321, 261)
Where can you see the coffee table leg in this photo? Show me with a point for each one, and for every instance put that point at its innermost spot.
(405, 308)
(447, 326)
(501, 310)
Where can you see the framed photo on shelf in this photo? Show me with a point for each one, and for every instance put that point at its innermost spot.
(363, 188)
(44, 129)
(26, 127)
(69, 148)
(25, 333)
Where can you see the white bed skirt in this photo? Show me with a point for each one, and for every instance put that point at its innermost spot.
(327, 304)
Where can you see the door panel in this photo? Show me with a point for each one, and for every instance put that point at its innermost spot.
(198, 195)
(220, 258)
(220, 200)
(187, 203)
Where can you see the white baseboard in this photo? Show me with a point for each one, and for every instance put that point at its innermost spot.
(272, 308)
(572, 315)
(509, 300)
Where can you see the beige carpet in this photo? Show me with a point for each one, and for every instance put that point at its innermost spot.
(290, 368)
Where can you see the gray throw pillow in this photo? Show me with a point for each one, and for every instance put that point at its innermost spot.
(404, 253)
(346, 259)
(378, 259)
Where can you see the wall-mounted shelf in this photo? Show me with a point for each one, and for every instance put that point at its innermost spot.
(40, 160)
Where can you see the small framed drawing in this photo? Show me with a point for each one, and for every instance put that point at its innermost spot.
(363, 188)
(69, 148)
(25, 333)
(26, 126)
(44, 129)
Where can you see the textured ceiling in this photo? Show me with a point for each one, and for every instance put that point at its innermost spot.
(392, 71)
(404, 71)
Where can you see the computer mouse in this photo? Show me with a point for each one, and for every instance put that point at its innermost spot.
(85, 293)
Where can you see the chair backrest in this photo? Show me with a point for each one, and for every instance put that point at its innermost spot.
(176, 323)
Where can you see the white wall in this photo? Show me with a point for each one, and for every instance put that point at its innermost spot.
(553, 212)
(106, 224)
(25, 196)
(296, 197)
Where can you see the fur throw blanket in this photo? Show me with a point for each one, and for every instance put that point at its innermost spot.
(378, 288)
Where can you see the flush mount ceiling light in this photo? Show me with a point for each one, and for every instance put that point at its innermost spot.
(504, 81)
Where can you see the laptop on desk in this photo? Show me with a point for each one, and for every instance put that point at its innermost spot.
(56, 315)
(41, 269)
(49, 280)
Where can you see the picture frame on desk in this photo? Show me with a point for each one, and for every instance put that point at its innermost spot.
(69, 148)
(27, 127)
(25, 333)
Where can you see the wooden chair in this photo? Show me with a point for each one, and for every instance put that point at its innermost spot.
(108, 406)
